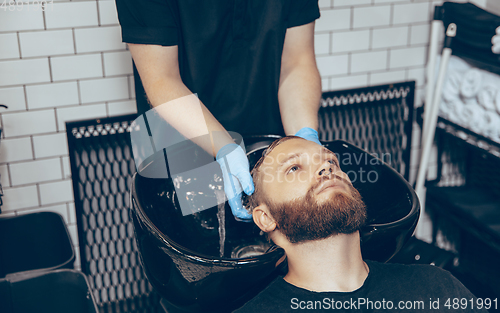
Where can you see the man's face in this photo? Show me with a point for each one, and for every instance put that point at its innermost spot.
(307, 193)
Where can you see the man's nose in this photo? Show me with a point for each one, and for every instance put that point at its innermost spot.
(325, 170)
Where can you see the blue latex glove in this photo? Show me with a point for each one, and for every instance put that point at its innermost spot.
(236, 174)
(309, 134)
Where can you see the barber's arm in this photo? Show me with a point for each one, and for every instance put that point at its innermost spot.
(300, 83)
(159, 70)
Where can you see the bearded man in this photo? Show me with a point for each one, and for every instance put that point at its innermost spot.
(309, 207)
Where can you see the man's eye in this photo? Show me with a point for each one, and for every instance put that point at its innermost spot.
(332, 162)
(292, 169)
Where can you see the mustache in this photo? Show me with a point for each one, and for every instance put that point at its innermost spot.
(333, 177)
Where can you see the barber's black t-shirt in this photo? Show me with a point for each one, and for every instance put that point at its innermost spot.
(388, 288)
(229, 52)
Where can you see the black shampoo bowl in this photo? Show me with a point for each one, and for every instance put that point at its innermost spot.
(182, 254)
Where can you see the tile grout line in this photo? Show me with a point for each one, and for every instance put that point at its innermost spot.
(330, 43)
(408, 44)
(98, 13)
(351, 26)
(10, 175)
(349, 61)
(50, 71)
(102, 64)
(129, 82)
(67, 212)
(19, 45)
(391, 21)
(370, 43)
(24, 185)
(3, 32)
(39, 195)
(106, 105)
(62, 166)
(72, 80)
(388, 59)
(57, 123)
(32, 147)
(383, 26)
(74, 39)
(63, 55)
(44, 20)
(25, 98)
(79, 92)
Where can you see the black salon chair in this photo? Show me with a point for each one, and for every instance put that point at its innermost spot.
(182, 254)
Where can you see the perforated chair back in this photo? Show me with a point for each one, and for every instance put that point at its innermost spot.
(376, 119)
(102, 167)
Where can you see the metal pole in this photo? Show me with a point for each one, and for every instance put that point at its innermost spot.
(431, 70)
(432, 121)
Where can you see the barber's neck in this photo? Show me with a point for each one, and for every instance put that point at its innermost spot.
(331, 264)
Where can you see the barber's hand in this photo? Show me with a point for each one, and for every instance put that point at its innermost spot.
(236, 174)
(309, 134)
(496, 42)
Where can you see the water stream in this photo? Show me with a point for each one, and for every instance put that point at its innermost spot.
(221, 212)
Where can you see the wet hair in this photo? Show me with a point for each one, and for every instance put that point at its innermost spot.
(258, 197)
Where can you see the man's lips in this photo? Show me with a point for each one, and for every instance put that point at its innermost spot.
(331, 183)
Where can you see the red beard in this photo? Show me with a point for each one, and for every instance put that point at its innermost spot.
(304, 219)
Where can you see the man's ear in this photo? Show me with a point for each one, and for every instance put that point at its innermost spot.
(263, 218)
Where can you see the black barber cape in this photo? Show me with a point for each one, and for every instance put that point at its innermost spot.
(229, 51)
(388, 288)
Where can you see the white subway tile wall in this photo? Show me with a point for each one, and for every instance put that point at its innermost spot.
(97, 39)
(45, 43)
(15, 98)
(369, 61)
(412, 13)
(52, 95)
(117, 63)
(76, 67)
(72, 14)
(59, 191)
(390, 37)
(371, 16)
(18, 20)
(28, 123)
(25, 71)
(17, 149)
(350, 41)
(4, 175)
(104, 89)
(122, 108)
(24, 173)
(9, 48)
(68, 63)
(78, 113)
(387, 77)
(50, 145)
